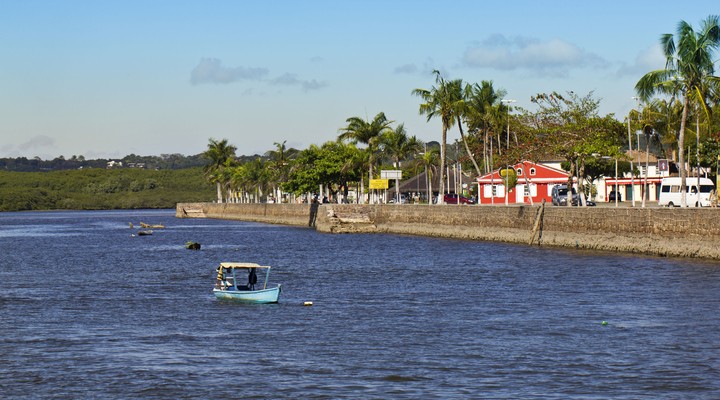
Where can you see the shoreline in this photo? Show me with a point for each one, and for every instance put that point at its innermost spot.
(687, 233)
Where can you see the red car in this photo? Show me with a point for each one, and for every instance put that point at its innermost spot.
(453, 199)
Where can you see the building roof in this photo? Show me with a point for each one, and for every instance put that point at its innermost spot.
(640, 156)
(418, 183)
(543, 173)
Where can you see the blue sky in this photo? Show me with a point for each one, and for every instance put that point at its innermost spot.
(104, 79)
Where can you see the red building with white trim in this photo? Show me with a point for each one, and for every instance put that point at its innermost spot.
(540, 178)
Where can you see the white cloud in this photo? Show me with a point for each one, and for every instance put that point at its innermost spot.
(210, 70)
(289, 79)
(553, 57)
(650, 59)
(406, 69)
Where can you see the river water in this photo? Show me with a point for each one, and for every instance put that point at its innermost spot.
(87, 310)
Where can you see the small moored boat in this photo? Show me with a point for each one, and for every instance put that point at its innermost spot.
(151, 226)
(239, 281)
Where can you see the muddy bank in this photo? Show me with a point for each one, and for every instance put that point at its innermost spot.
(653, 231)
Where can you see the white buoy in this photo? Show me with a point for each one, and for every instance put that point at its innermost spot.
(307, 303)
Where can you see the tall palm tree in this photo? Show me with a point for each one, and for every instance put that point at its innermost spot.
(219, 152)
(440, 101)
(461, 110)
(689, 65)
(366, 132)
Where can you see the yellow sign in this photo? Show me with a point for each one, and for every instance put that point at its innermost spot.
(506, 172)
(379, 184)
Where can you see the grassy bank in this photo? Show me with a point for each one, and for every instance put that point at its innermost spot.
(102, 189)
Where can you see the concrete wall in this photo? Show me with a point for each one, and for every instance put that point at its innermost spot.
(658, 231)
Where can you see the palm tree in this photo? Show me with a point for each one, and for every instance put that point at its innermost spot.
(366, 132)
(219, 153)
(399, 145)
(440, 102)
(429, 162)
(279, 162)
(688, 69)
(258, 177)
(486, 114)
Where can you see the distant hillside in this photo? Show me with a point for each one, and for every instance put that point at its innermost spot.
(101, 189)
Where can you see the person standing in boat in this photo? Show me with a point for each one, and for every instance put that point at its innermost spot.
(220, 284)
(252, 279)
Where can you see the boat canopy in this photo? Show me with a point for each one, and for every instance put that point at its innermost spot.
(243, 265)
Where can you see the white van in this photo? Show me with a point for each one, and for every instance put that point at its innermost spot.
(670, 192)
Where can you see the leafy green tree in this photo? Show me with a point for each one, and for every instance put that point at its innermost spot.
(219, 153)
(303, 176)
(333, 165)
(689, 71)
(572, 128)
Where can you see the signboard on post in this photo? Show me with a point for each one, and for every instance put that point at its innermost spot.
(391, 174)
(379, 184)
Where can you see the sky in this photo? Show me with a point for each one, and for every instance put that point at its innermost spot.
(105, 79)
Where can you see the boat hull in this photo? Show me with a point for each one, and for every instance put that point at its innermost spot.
(263, 296)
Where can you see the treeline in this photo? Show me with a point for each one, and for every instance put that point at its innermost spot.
(102, 189)
(164, 161)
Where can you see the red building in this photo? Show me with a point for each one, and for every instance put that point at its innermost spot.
(540, 180)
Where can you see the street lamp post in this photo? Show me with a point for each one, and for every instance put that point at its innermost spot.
(697, 154)
(643, 189)
(632, 168)
(616, 178)
(616, 183)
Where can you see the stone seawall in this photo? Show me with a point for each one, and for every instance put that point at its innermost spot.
(284, 214)
(656, 231)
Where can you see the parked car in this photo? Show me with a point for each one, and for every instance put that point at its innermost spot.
(611, 196)
(559, 195)
(452, 198)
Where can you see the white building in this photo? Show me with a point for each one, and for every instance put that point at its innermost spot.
(651, 171)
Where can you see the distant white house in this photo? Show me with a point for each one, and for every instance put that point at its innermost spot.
(647, 181)
(114, 164)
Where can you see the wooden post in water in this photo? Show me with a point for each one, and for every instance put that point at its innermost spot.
(538, 225)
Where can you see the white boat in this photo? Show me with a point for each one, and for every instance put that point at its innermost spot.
(239, 281)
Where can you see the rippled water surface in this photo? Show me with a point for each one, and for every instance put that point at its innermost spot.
(87, 310)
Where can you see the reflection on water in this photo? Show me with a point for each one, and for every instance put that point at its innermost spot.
(89, 309)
